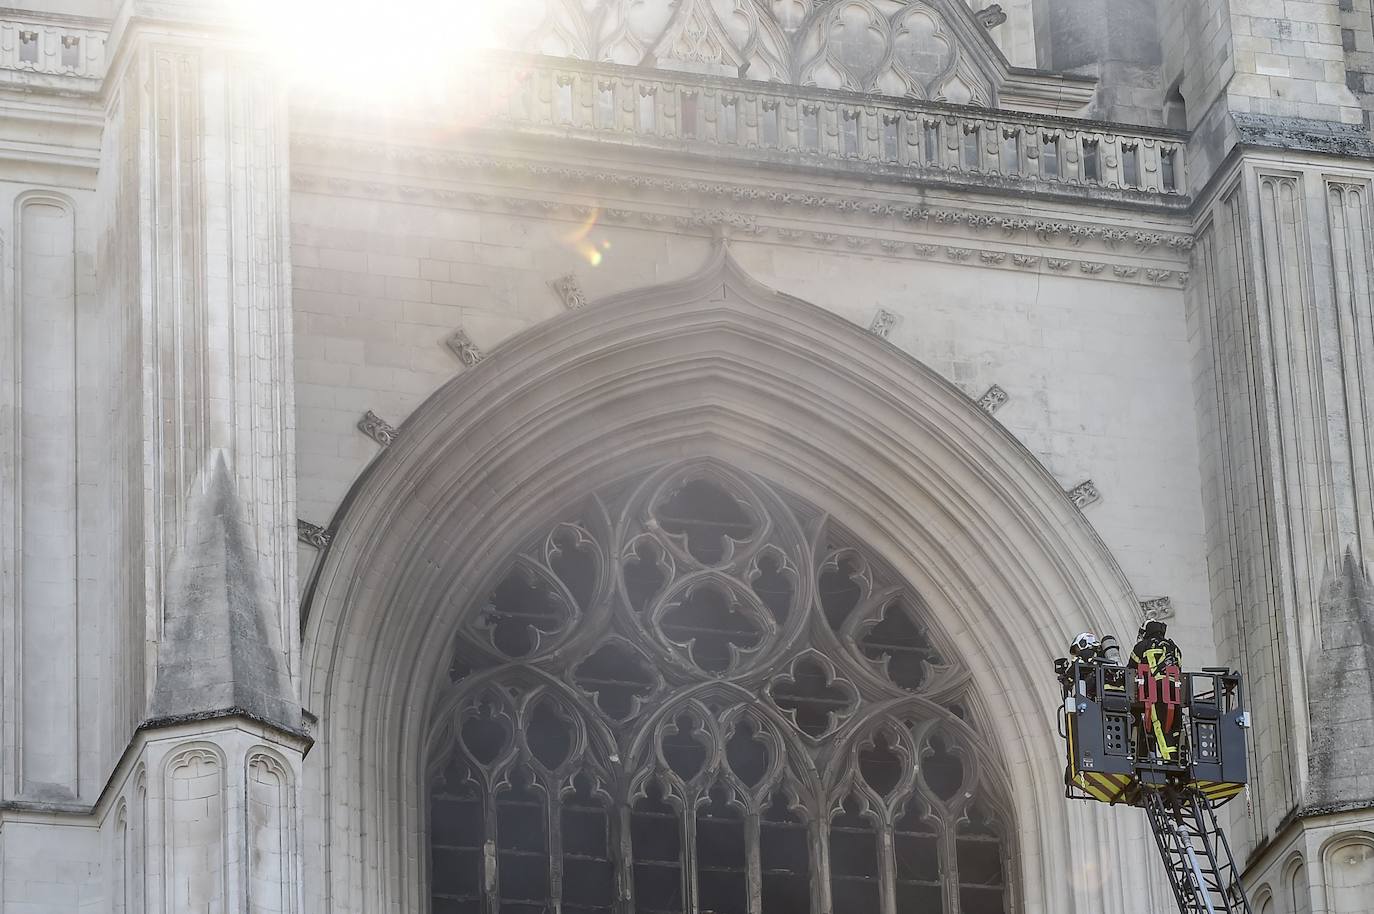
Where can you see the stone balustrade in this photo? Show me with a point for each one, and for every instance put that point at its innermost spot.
(52, 46)
(774, 122)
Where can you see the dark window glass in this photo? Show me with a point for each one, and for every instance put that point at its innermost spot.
(968, 148)
(1130, 165)
(522, 850)
(769, 124)
(1049, 156)
(721, 858)
(982, 880)
(891, 136)
(656, 836)
(854, 859)
(1092, 165)
(931, 142)
(784, 858)
(849, 132)
(588, 867)
(1011, 151)
(457, 833)
(811, 127)
(901, 647)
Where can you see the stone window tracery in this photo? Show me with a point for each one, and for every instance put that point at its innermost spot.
(926, 49)
(698, 694)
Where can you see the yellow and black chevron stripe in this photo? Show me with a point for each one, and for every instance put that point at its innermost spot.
(1218, 791)
(1107, 788)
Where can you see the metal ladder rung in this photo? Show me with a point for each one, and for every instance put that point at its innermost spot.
(1196, 855)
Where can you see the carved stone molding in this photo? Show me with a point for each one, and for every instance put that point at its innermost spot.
(313, 534)
(570, 292)
(989, 256)
(463, 347)
(1012, 230)
(993, 399)
(1084, 494)
(882, 323)
(564, 177)
(377, 428)
(1156, 608)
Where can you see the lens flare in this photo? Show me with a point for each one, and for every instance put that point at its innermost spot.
(580, 239)
(366, 52)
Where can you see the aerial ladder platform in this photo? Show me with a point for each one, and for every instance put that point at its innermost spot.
(1109, 720)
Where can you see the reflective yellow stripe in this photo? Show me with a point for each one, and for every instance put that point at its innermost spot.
(1218, 790)
(1106, 788)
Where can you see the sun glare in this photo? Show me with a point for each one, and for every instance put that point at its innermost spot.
(371, 51)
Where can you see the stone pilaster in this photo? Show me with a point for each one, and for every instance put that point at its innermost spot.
(1280, 301)
(197, 246)
(199, 234)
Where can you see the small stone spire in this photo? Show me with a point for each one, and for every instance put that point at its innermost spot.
(219, 652)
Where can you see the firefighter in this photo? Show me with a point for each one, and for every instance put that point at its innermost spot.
(1157, 660)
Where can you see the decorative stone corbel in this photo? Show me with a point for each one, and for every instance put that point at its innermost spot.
(991, 16)
(463, 347)
(882, 324)
(377, 428)
(313, 534)
(570, 292)
(1157, 608)
(1084, 494)
(993, 399)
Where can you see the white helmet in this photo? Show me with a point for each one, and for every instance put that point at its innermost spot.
(1085, 642)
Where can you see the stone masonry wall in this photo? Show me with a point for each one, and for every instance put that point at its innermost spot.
(1357, 40)
(1094, 369)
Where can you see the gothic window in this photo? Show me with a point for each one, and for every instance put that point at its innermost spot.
(694, 694)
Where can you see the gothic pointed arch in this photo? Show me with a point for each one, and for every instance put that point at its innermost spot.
(489, 533)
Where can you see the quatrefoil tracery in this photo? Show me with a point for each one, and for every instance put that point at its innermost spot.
(696, 574)
(747, 659)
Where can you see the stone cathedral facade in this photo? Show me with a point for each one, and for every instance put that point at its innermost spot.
(652, 466)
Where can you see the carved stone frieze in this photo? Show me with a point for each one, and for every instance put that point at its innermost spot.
(988, 253)
(313, 534)
(377, 428)
(1084, 494)
(569, 291)
(463, 347)
(993, 399)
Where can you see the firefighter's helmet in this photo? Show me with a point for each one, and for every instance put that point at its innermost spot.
(1085, 643)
